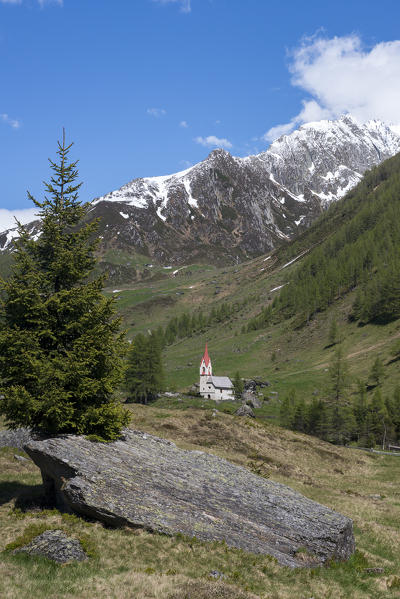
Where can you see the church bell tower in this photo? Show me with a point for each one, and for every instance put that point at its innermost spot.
(205, 370)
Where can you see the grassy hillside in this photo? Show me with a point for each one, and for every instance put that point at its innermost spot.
(287, 348)
(134, 563)
(286, 356)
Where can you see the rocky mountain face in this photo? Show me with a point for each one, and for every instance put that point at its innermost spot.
(326, 159)
(227, 208)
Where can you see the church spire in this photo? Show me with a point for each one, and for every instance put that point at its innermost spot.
(206, 357)
(205, 364)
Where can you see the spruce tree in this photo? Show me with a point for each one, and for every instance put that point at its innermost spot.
(238, 386)
(287, 408)
(61, 352)
(144, 376)
(300, 416)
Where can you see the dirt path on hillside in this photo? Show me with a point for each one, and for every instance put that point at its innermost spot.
(349, 356)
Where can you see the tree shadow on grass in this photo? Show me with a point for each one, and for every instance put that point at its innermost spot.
(27, 497)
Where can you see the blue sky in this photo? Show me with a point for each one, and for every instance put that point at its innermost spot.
(148, 87)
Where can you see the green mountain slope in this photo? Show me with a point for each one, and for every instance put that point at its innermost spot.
(360, 248)
(275, 311)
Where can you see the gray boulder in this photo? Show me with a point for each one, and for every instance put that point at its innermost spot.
(55, 545)
(251, 399)
(144, 481)
(252, 385)
(245, 410)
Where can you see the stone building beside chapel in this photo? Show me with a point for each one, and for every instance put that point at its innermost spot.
(213, 387)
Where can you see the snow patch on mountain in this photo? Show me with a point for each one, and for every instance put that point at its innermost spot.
(322, 159)
(247, 205)
(10, 235)
(327, 158)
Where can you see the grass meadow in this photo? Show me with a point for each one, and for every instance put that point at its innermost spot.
(127, 563)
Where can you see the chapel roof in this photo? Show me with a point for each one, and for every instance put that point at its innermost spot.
(220, 382)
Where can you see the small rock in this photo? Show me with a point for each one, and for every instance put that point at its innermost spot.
(374, 570)
(217, 574)
(21, 458)
(245, 410)
(251, 400)
(56, 546)
(246, 395)
(375, 496)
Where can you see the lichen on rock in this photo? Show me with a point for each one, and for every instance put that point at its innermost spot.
(143, 481)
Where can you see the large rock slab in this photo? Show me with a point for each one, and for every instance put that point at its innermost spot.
(144, 481)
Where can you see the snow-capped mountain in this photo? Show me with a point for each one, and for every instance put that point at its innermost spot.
(327, 158)
(226, 208)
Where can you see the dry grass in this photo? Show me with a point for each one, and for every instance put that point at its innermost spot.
(140, 565)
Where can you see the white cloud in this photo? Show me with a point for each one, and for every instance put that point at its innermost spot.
(7, 220)
(213, 142)
(14, 123)
(342, 76)
(183, 124)
(185, 5)
(277, 131)
(11, 1)
(157, 112)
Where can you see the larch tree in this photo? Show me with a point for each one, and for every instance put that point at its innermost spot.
(333, 333)
(377, 371)
(339, 377)
(61, 349)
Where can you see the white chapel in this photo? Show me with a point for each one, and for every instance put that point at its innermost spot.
(213, 387)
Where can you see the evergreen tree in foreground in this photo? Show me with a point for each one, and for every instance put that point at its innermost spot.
(61, 352)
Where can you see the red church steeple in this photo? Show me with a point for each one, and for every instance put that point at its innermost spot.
(205, 364)
(206, 357)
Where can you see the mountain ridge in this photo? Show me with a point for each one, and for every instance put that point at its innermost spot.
(235, 208)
